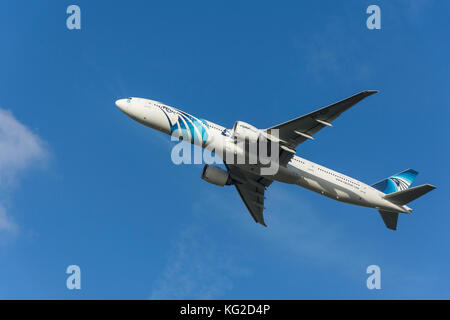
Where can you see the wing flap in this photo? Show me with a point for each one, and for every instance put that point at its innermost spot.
(251, 188)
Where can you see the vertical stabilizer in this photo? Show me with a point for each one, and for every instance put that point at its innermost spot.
(398, 182)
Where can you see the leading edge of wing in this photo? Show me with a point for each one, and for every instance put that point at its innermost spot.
(357, 97)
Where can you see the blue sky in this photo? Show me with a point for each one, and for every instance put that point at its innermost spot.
(80, 183)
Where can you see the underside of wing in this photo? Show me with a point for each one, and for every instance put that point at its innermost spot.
(251, 188)
(296, 131)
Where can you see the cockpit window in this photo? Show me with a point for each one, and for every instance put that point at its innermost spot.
(129, 100)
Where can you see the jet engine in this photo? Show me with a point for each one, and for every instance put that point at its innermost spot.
(242, 131)
(216, 175)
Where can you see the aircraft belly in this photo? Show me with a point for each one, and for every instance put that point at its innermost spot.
(314, 185)
(286, 175)
(330, 189)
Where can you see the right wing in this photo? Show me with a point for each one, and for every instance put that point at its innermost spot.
(296, 131)
(251, 188)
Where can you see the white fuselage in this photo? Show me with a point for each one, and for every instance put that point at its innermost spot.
(298, 171)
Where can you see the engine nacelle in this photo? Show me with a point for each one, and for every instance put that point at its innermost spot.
(242, 130)
(215, 175)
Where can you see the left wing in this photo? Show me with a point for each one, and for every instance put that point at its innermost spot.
(251, 188)
(296, 131)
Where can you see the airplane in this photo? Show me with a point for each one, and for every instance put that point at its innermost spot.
(389, 196)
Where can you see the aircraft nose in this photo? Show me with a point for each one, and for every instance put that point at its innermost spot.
(121, 104)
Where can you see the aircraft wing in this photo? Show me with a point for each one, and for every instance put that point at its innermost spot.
(251, 188)
(296, 131)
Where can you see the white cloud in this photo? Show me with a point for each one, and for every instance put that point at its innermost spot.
(300, 230)
(19, 149)
(6, 224)
(196, 269)
(199, 267)
(297, 230)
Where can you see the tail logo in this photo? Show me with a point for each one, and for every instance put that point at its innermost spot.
(400, 183)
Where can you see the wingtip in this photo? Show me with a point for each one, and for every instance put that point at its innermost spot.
(371, 91)
(431, 186)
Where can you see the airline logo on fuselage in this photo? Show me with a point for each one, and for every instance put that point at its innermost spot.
(187, 125)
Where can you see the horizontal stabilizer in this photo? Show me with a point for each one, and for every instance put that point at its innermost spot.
(390, 219)
(403, 197)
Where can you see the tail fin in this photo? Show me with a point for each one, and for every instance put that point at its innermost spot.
(401, 198)
(398, 182)
(396, 189)
(406, 196)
